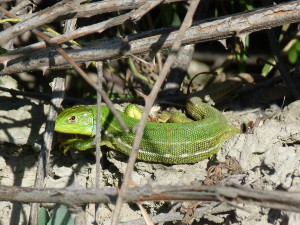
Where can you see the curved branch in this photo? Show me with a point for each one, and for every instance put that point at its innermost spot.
(220, 28)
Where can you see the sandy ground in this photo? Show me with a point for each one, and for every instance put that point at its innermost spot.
(268, 157)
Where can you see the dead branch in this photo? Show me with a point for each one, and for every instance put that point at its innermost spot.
(187, 22)
(37, 19)
(202, 31)
(40, 18)
(95, 8)
(76, 196)
(206, 209)
(58, 87)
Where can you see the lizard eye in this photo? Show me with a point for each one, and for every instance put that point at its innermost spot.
(72, 119)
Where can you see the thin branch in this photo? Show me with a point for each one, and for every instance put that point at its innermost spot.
(184, 57)
(179, 70)
(40, 18)
(205, 209)
(155, 40)
(145, 9)
(149, 103)
(94, 28)
(146, 217)
(58, 87)
(82, 73)
(99, 66)
(283, 200)
(87, 79)
(96, 8)
(22, 6)
(115, 21)
(101, 7)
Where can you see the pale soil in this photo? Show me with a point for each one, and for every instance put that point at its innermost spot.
(269, 159)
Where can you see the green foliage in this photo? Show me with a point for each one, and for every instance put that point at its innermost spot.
(293, 55)
(289, 40)
(241, 52)
(297, 46)
(43, 216)
(168, 15)
(61, 216)
(268, 67)
(3, 51)
(246, 4)
(294, 52)
(232, 6)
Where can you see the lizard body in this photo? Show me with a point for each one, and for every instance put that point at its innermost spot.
(171, 143)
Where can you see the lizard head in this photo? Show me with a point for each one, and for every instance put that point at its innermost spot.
(76, 120)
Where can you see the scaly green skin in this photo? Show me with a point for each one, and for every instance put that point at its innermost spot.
(170, 143)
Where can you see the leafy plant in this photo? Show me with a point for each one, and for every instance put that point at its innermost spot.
(61, 216)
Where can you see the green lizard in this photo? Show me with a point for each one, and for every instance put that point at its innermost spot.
(170, 143)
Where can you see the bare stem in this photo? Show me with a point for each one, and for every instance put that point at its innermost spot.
(149, 102)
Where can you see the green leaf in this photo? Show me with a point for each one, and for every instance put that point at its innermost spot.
(249, 6)
(3, 51)
(61, 216)
(297, 46)
(267, 67)
(176, 19)
(43, 216)
(293, 55)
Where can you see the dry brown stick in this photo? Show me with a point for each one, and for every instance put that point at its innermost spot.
(101, 7)
(221, 28)
(99, 90)
(86, 77)
(77, 210)
(146, 217)
(283, 200)
(82, 73)
(149, 102)
(43, 162)
(144, 9)
(96, 8)
(171, 216)
(58, 88)
(99, 66)
(179, 70)
(23, 6)
(184, 57)
(42, 17)
(98, 27)
(94, 28)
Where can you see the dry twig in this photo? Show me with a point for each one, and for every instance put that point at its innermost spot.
(149, 102)
(201, 31)
(40, 18)
(71, 196)
(97, 140)
(58, 87)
